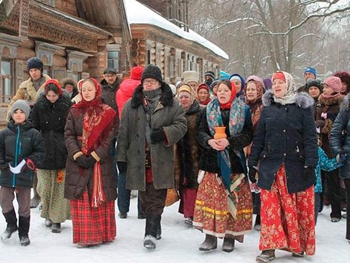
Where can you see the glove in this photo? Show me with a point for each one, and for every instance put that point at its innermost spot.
(4, 166)
(157, 135)
(309, 172)
(86, 162)
(341, 157)
(252, 173)
(122, 166)
(29, 165)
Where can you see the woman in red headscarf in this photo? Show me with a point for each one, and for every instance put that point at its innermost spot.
(49, 117)
(90, 182)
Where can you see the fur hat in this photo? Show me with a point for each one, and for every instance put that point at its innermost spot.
(153, 72)
(35, 62)
(210, 74)
(110, 71)
(334, 83)
(311, 70)
(136, 73)
(189, 76)
(23, 106)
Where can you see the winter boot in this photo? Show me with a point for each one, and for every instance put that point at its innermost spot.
(24, 223)
(228, 245)
(266, 256)
(257, 226)
(56, 228)
(152, 226)
(11, 221)
(159, 231)
(210, 243)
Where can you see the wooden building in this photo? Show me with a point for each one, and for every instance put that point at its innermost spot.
(79, 38)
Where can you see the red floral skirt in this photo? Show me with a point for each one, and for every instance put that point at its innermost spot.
(211, 214)
(92, 226)
(287, 220)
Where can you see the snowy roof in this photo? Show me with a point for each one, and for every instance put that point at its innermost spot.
(137, 13)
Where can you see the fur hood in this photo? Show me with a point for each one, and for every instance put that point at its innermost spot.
(302, 99)
(166, 98)
(345, 102)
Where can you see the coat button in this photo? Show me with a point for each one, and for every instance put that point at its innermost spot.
(284, 154)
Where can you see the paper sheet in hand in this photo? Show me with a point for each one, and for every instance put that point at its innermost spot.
(17, 169)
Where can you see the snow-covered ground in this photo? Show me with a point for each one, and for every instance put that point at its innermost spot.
(179, 243)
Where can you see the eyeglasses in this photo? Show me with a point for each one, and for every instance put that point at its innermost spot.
(149, 81)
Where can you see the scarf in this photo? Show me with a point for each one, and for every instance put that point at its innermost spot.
(289, 97)
(236, 123)
(96, 118)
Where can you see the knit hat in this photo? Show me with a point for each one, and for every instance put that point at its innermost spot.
(334, 83)
(311, 70)
(185, 88)
(35, 62)
(314, 83)
(189, 76)
(153, 72)
(136, 72)
(57, 89)
(223, 75)
(203, 86)
(22, 105)
(210, 74)
(110, 71)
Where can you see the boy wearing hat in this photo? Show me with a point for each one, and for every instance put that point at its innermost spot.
(152, 123)
(209, 77)
(309, 74)
(29, 90)
(18, 159)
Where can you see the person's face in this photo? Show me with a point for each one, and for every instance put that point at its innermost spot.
(110, 78)
(150, 84)
(309, 75)
(327, 90)
(279, 88)
(344, 88)
(19, 116)
(194, 86)
(252, 91)
(203, 95)
(35, 73)
(223, 93)
(185, 100)
(215, 89)
(69, 88)
(52, 96)
(238, 84)
(314, 92)
(88, 91)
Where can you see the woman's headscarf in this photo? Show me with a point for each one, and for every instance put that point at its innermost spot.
(289, 97)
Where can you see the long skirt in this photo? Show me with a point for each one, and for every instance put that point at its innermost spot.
(51, 191)
(287, 220)
(211, 213)
(92, 226)
(187, 202)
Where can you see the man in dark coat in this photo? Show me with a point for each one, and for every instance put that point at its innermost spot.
(152, 122)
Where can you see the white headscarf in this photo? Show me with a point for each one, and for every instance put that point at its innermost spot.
(289, 97)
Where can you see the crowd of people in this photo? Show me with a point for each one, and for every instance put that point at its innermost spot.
(231, 146)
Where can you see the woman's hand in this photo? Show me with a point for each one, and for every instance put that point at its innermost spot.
(218, 144)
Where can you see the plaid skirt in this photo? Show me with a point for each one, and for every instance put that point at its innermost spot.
(92, 226)
(211, 214)
(287, 220)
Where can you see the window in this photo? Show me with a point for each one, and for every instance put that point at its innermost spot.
(113, 60)
(5, 83)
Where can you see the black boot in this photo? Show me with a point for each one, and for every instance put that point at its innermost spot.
(209, 243)
(152, 226)
(11, 221)
(24, 223)
(228, 245)
(159, 230)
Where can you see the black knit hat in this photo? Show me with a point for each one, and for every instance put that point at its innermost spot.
(210, 74)
(314, 83)
(35, 62)
(153, 72)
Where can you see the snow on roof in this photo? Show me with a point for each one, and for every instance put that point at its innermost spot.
(137, 13)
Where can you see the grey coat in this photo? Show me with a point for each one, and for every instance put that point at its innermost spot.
(168, 115)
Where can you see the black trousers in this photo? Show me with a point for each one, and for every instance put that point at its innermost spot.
(333, 185)
(347, 188)
(152, 200)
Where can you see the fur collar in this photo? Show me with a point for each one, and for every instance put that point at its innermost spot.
(330, 101)
(302, 99)
(62, 103)
(345, 102)
(166, 98)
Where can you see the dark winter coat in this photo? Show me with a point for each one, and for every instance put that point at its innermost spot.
(331, 107)
(78, 178)
(340, 136)
(286, 134)
(50, 119)
(168, 115)
(18, 142)
(237, 142)
(188, 152)
(109, 97)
